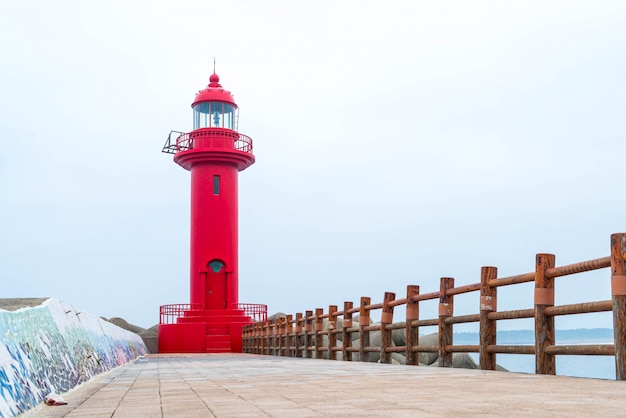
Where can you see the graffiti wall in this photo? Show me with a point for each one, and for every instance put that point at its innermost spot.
(54, 347)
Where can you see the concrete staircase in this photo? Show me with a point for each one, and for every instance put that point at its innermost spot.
(218, 327)
(217, 338)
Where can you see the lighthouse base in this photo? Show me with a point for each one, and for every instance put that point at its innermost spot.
(204, 331)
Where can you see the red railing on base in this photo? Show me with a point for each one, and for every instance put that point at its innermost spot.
(257, 312)
(169, 314)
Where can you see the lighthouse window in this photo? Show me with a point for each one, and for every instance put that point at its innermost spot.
(216, 185)
(214, 115)
(201, 111)
(229, 116)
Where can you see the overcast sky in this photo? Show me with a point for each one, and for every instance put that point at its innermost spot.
(396, 142)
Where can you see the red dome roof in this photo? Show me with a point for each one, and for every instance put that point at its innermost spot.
(214, 92)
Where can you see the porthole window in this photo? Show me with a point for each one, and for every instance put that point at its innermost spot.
(216, 266)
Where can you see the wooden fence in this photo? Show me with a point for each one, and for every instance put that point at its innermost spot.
(303, 335)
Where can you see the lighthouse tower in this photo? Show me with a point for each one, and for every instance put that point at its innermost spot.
(214, 153)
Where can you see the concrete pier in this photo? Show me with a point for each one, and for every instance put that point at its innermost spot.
(244, 385)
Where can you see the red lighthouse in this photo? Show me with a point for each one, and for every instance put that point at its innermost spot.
(214, 152)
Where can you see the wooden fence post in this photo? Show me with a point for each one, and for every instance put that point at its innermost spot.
(347, 336)
(253, 341)
(446, 309)
(364, 336)
(308, 329)
(319, 338)
(269, 339)
(412, 333)
(287, 331)
(273, 339)
(544, 325)
(280, 322)
(298, 336)
(265, 339)
(488, 303)
(247, 335)
(244, 339)
(332, 337)
(279, 335)
(250, 338)
(253, 344)
(386, 318)
(276, 337)
(618, 294)
(288, 336)
(283, 337)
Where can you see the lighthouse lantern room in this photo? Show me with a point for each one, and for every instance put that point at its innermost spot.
(214, 152)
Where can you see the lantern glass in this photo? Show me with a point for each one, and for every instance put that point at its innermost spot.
(215, 115)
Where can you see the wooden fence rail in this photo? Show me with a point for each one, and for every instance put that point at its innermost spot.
(303, 335)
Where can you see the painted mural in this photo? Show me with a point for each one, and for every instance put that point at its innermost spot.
(53, 348)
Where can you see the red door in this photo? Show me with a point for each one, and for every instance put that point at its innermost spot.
(217, 290)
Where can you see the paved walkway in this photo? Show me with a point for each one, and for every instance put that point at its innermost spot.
(242, 385)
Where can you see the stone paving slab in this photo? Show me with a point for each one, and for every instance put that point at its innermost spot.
(244, 385)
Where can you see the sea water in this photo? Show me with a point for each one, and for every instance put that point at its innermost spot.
(599, 367)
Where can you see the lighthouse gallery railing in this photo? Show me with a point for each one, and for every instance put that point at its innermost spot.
(214, 138)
